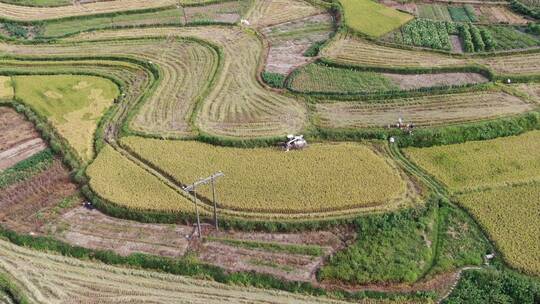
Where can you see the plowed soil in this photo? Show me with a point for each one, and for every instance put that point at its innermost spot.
(18, 138)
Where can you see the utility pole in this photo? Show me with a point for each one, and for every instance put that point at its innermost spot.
(215, 202)
(197, 211)
(203, 181)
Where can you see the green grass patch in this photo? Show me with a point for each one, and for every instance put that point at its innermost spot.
(461, 242)
(392, 247)
(26, 168)
(274, 80)
(459, 14)
(311, 250)
(434, 12)
(493, 286)
(324, 79)
(371, 18)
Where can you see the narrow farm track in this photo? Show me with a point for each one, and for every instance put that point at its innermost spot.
(29, 13)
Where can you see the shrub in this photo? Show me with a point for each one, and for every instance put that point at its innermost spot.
(274, 80)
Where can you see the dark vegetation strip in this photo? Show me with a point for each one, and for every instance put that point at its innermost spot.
(26, 168)
(312, 250)
(13, 291)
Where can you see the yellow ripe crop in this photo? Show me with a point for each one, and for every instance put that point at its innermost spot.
(121, 181)
(324, 177)
(482, 164)
(510, 216)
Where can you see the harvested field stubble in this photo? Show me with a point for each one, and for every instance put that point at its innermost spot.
(272, 12)
(324, 177)
(422, 111)
(237, 105)
(25, 13)
(40, 274)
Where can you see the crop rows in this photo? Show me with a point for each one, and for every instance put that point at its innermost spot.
(355, 51)
(268, 180)
(318, 78)
(26, 13)
(422, 111)
(427, 33)
(130, 76)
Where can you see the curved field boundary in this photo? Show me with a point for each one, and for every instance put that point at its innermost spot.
(357, 52)
(238, 105)
(25, 13)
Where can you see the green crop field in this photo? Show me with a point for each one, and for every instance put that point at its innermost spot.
(371, 18)
(319, 78)
(273, 181)
(482, 164)
(74, 104)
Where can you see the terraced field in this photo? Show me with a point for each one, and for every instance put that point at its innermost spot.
(42, 278)
(422, 111)
(347, 49)
(26, 13)
(497, 182)
(120, 96)
(237, 104)
(284, 187)
(496, 162)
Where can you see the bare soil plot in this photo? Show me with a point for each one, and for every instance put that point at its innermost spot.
(18, 139)
(422, 111)
(288, 41)
(415, 81)
(457, 46)
(24, 205)
(409, 7)
(321, 238)
(288, 266)
(93, 229)
(498, 14)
